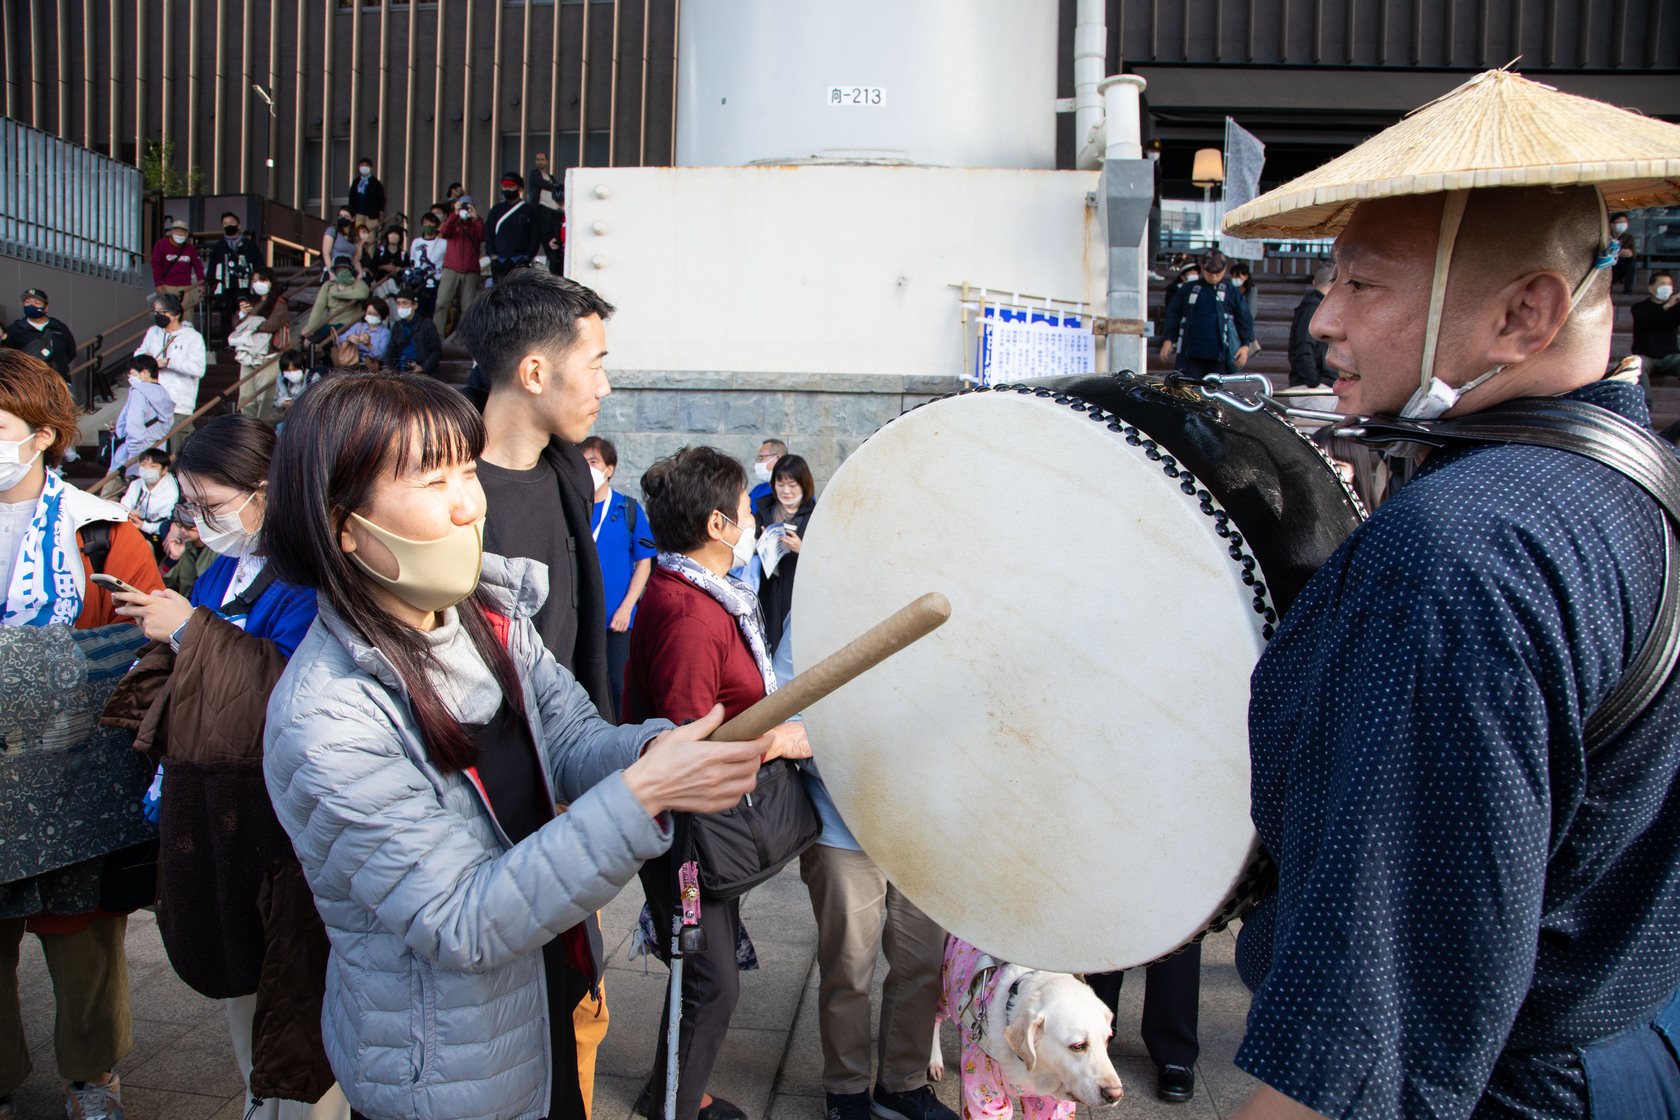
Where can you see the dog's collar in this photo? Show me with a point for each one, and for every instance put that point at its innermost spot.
(1014, 990)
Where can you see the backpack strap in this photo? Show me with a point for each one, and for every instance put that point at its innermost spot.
(242, 603)
(96, 543)
(1625, 447)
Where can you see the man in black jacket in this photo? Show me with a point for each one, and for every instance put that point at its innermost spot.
(414, 346)
(513, 230)
(367, 194)
(233, 261)
(539, 341)
(1306, 353)
(40, 335)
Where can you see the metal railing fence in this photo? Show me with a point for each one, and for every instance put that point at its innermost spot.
(65, 206)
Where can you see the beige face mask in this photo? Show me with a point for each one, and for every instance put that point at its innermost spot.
(431, 575)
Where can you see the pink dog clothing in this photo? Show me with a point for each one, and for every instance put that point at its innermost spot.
(986, 1095)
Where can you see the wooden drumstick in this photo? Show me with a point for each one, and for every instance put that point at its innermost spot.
(908, 624)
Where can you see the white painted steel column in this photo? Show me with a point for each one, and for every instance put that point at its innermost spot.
(1123, 127)
(1128, 190)
(1090, 60)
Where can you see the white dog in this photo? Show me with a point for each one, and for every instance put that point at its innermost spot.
(1037, 1037)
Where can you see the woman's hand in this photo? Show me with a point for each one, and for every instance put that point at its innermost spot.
(620, 621)
(792, 538)
(788, 741)
(679, 771)
(159, 614)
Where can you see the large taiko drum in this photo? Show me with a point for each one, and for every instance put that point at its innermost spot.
(1060, 774)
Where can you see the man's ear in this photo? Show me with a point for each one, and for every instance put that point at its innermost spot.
(532, 374)
(1533, 310)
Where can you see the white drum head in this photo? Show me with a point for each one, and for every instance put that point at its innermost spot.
(1058, 775)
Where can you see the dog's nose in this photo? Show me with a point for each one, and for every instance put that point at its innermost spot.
(1112, 1093)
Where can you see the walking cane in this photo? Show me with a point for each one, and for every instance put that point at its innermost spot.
(906, 625)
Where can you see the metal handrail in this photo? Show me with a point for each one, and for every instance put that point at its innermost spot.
(97, 343)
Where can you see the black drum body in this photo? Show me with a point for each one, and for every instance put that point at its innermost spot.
(1270, 479)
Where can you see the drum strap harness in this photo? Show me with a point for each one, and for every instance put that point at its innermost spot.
(1630, 450)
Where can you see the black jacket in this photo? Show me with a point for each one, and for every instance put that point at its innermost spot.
(588, 661)
(428, 347)
(775, 595)
(1306, 353)
(52, 343)
(229, 268)
(513, 230)
(368, 202)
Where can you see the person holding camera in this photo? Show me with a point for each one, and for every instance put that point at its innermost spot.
(413, 345)
(463, 235)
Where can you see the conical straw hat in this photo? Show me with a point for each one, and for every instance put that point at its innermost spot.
(1496, 130)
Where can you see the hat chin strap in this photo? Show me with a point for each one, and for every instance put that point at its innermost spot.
(1433, 396)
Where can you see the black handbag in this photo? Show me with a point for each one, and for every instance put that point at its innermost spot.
(742, 847)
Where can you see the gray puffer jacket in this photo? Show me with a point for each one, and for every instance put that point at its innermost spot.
(436, 1003)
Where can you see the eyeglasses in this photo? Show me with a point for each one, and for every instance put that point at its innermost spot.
(210, 517)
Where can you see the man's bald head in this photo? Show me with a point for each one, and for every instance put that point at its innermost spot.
(1517, 258)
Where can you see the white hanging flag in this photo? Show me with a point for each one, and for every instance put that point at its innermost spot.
(1244, 157)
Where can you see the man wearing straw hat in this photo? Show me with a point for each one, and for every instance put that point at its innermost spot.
(1475, 914)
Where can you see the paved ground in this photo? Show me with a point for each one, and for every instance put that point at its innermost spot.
(182, 1065)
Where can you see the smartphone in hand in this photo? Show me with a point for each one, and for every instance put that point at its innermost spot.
(112, 583)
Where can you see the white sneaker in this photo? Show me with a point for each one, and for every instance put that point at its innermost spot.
(95, 1100)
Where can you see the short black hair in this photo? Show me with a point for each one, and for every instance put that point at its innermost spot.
(294, 359)
(376, 304)
(683, 490)
(1654, 276)
(230, 214)
(155, 455)
(601, 447)
(513, 177)
(528, 311)
(145, 362)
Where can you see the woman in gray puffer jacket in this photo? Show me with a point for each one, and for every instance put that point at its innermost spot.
(415, 749)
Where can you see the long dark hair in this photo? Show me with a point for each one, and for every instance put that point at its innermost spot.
(342, 436)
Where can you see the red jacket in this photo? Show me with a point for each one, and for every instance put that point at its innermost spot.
(686, 654)
(461, 242)
(178, 266)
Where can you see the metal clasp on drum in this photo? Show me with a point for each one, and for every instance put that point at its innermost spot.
(1218, 386)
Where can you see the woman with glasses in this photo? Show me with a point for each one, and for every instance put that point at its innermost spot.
(232, 908)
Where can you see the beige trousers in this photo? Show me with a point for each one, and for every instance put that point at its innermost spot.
(90, 987)
(858, 913)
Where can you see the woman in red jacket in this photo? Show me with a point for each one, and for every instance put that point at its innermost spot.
(699, 641)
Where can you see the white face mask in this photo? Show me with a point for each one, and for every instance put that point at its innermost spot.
(178, 238)
(366, 171)
(233, 541)
(598, 477)
(1433, 403)
(743, 546)
(1664, 291)
(371, 320)
(1620, 227)
(761, 471)
(135, 380)
(13, 466)
(151, 476)
(260, 287)
(292, 375)
(405, 312)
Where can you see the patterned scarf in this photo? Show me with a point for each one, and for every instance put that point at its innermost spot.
(43, 589)
(736, 598)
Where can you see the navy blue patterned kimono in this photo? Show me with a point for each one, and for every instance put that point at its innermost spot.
(1465, 898)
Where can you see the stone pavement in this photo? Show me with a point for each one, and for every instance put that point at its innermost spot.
(182, 1064)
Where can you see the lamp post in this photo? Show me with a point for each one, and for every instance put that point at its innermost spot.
(1209, 170)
